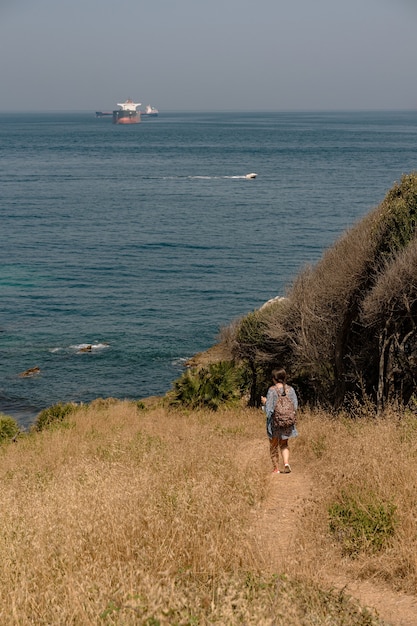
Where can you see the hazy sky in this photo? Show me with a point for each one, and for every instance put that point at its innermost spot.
(208, 54)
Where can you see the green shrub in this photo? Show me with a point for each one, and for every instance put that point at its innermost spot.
(9, 428)
(362, 522)
(53, 415)
(212, 387)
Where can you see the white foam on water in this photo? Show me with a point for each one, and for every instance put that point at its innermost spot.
(180, 361)
(92, 346)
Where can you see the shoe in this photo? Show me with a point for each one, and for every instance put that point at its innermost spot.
(287, 469)
(276, 471)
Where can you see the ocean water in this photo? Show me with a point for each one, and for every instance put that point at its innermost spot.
(144, 240)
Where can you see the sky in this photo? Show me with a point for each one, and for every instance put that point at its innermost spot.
(202, 55)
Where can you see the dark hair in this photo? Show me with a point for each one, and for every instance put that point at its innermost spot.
(279, 375)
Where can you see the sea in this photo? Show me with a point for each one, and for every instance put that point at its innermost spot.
(141, 242)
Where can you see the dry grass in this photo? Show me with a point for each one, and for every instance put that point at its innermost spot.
(129, 516)
(373, 460)
(120, 510)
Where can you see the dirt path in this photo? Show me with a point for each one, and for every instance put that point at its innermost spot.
(281, 509)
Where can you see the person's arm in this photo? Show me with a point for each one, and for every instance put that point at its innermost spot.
(268, 408)
(293, 396)
(271, 398)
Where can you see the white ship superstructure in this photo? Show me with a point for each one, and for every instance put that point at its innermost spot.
(129, 105)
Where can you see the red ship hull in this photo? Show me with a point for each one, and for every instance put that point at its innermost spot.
(126, 117)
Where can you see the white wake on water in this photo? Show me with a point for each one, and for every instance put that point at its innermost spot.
(249, 176)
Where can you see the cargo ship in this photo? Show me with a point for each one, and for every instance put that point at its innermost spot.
(127, 114)
(150, 111)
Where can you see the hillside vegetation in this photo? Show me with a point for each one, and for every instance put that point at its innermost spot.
(346, 331)
(122, 514)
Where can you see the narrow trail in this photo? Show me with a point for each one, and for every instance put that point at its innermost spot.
(281, 509)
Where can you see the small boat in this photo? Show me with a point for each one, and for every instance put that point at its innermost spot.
(251, 175)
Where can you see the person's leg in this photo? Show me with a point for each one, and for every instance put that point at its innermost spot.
(273, 450)
(283, 444)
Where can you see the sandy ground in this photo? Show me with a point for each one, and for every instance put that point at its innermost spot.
(280, 510)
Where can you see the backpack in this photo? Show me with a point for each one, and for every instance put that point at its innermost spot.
(284, 411)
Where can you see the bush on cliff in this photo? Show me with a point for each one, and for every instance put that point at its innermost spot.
(9, 428)
(53, 415)
(211, 387)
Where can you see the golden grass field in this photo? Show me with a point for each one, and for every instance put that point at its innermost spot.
(126, 515)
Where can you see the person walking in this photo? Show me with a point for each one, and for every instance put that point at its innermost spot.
(278, 437)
